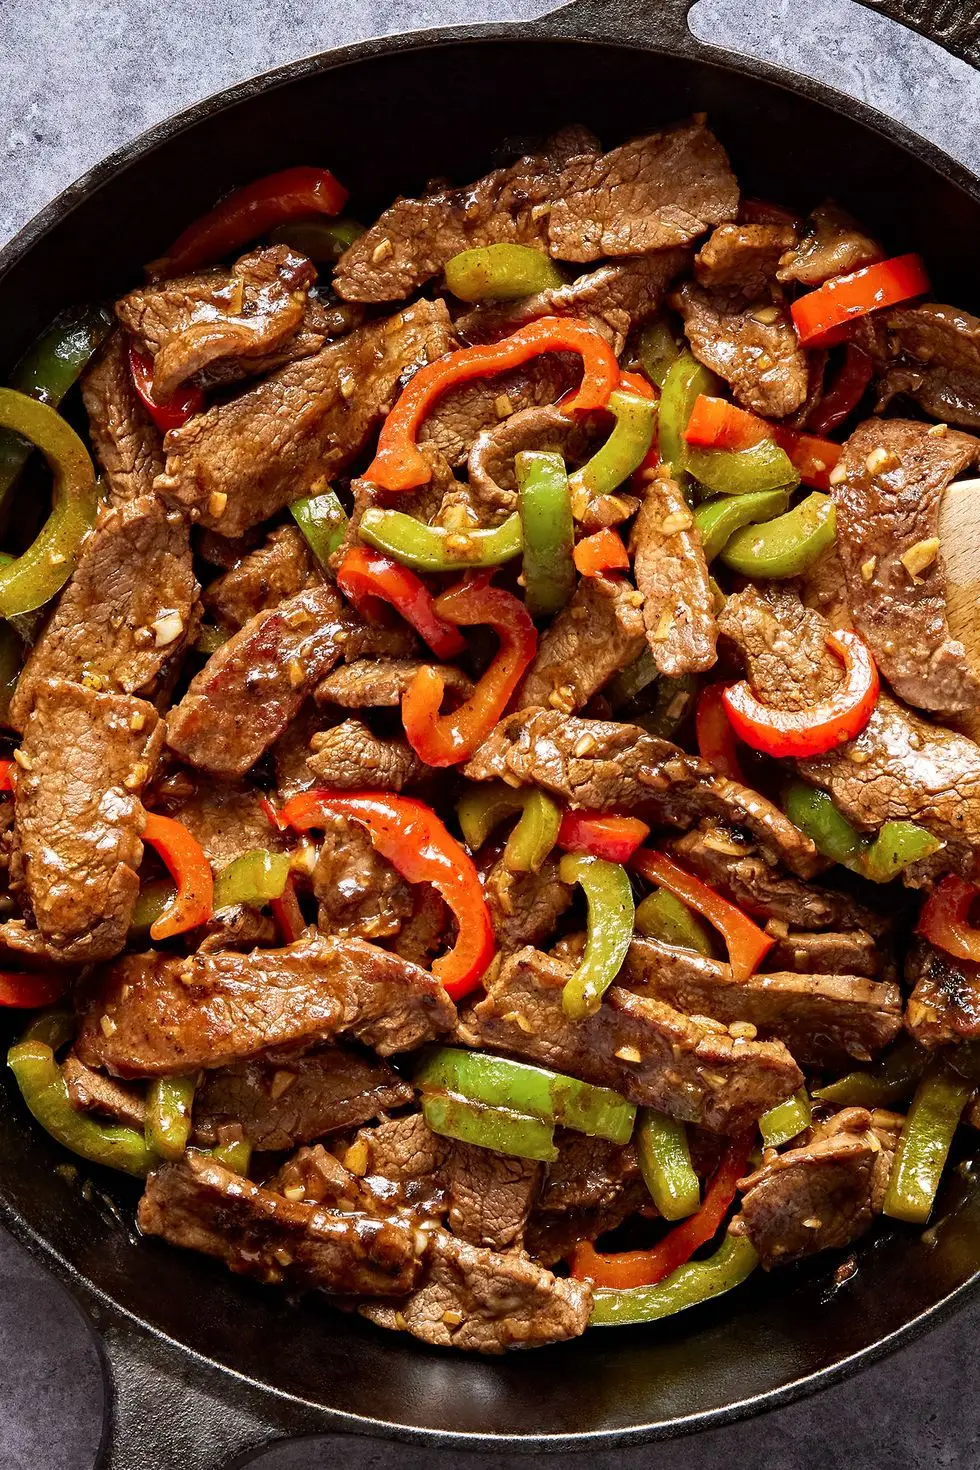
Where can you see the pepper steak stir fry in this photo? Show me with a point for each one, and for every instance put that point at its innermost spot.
(491, 827)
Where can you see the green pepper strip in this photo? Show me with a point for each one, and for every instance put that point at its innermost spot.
(11, 658)
(763, 466)
(499, 1082)
(718, 520)
(545, 508)
(500, 1129)
(896, 846)
(786, 546)
(168, 1115)
(662, 916)
(732, 1262)
(624, 450)
(255, 878)
(481, 809)
(235, 1156)
(890, 1080)
(685, 381)
(665, 1163)
(787, 1120)
(209, 639)
(321, 240)
(610, 929)
(43, 569)
(880, 858)
(672, 703)
(432, 549)
(46, 1094)
(55, 1027)
(323, 521)
(657, 349)
(927, 1134)
(501, 272)
(632, 681)
(155, 897)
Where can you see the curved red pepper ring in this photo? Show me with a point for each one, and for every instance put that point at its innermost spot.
(184, 857)
(171, 413)
(400, 465)
(715, 736)
(821, 317)
(602, 835)
(626, 1269)
(412, 838)
(746, 943)
(367, 573)
(717, 424)
(6, 775)
(445, 740)
(846, 392)
(819, 727)
(945, 918)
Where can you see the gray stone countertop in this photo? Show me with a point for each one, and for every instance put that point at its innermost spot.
(77, 79)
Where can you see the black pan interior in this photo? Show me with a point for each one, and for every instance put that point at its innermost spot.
(386, 124)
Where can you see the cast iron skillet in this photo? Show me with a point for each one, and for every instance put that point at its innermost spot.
(227, 1365)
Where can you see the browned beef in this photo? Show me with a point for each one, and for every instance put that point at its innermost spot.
(242, 460)
(784, 646)
(247, 692)
(351, 756)
(855, 953)
(742, 258)
(226, 818)
(404, 1151)
(375, 683)
(279, 1105)
(597, 633)
(592, 1187)
(525, 907)
(238, 926)
(85, 759)
(126, 442)
(282, 566)
(154, 1014)
(944, 1005)
(358, 891)
(600, 765)
(752, 345)
(655, 192)
(643, 1048)
(425, 933)
(128, 612)
(930, 353)
(672, 575)
(825, 1020)
(834, 245)
(462, 414)
(887, 489)
(483, 1302)
(318, 1177)
(201, 1206)
(221, 325)
(94, 1092)
(492, 478)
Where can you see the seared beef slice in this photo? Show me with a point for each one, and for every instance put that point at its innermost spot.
(597, 633)
(125, 439)
(672, 576)
(282, 566)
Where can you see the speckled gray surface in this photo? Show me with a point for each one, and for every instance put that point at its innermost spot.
(78, 78)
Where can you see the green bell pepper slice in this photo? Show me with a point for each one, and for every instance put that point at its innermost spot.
(255, 878)
(501, 272)
(890, 1080)
(234, 1156)
(879, 858)
(433, 549)
(658, 349)
(609, 898)
(665, 1163)
(764, 466)
(787, 1120)
(686, 380)
(33, 578)
(168, 1115)
(544, 504)
(321, 240)
(482, 808)
(519, 1135)
(662, 916)
(54, 1027)
(323, 521)
(786, 546)
(45, 1092)
(155, 897)
(924, 1145)
(499, 1082)
(718, 520)
(209, 639)
(624, 450)
(535, 834)
(699, 1281)
(896, 845)
(672, 704)
(632, 680)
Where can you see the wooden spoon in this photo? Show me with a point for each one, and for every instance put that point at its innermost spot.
(959, 536)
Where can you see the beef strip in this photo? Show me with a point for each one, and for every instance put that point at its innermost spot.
(833, 245)
(752, 345)
(930, 353)
(944, 1006)
(525, 907)
(247, 692)
(154, 1014)
(351, 756)
(198, 1204)
(597, 633)
(490, 466)
(784, 646)
(282, 566)
(221, 325)
(825, 1020)
(887, 489)
(425, 933)
(85, 759)
(600, 765)
(238, 926)
(93, 1092)
(279, 1105)
(742, 258)
(125, 440)
(126, 615)
(658, 191)
(378, 683)
(359, 893)
(226, 818)
(481, 1301)
(643, 1048)
(672, 575)
(829, 953)
(462, 414)
(242, 460)
(592, 1187)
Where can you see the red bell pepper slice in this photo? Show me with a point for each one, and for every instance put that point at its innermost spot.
(714, 734)
(250, 211)
(172, 412)
(848, 389)
(602, 552)
(412, 838)
(7, 775)
(287, 913)
(819, 727)
(193, 903)
(626, 1269)
(638, 384)
(366, 573)
(602, 835)
(747, 944)
(445, 740)
(29, 991)
(717, 424)
(821, 315)
(945, 918)
(400, 465)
